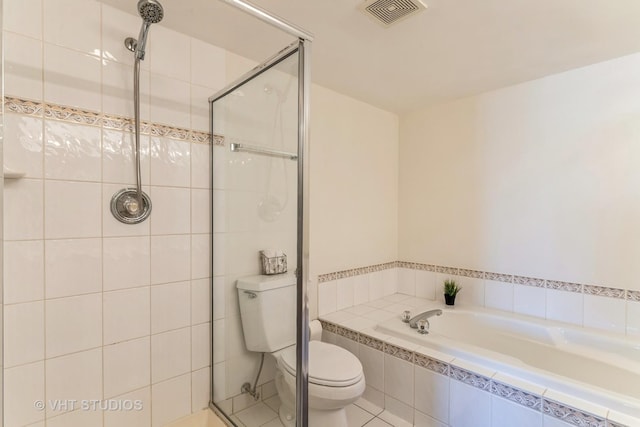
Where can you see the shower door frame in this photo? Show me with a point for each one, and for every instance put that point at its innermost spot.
(302, 47)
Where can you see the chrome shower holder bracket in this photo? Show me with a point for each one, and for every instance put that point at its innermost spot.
(131, 44)
(126, 208)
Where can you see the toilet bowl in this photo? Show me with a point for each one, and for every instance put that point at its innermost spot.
(335, 381)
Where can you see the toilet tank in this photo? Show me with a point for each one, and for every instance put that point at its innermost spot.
(268, 311)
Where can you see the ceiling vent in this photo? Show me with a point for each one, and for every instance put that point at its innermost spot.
(389, 12)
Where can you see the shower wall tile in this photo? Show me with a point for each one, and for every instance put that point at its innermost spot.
(23, 66)
(201, 166)
(73, 324)
(127, 315)
(201, 211)
(126, 262)
(171, 210)
(201, 301)
(126, 367)
(200, 107)
(170, 307)
(498, 295)
(23, 271)
(633, 318)
(23, 209)
(73, 267)
(23, 17)
(170, 101)
(26, 383)
(76, 419)
(200, 389)
(170, 354)
(565, 306)
(72, 152)
(219, 298)
(170, 400)
(200, 348)
(73, 23)
(169, 53)
(140, 418)
(117, 90)
(116, 26)
(170, 162)
(170, 259)
(71, 78)
(200, 256)
(72, 209)
(118, 159)
(605, 313)
(24, 333)
(529, 300)
(23, 144)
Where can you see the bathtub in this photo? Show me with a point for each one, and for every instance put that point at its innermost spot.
(597, 367)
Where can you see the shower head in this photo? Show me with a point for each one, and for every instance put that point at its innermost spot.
(151, 12)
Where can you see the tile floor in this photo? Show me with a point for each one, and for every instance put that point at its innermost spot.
(361, 413)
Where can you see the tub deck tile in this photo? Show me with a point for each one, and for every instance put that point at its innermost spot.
(398, 352)
(470, 378)
(571, 415)
(517, 396)
(431, 364)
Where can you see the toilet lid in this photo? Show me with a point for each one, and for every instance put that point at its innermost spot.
(329, 364)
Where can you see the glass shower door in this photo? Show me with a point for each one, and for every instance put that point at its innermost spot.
(255, 208)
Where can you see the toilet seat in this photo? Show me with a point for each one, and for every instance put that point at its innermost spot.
(329, 365)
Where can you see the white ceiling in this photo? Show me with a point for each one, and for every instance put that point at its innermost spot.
(455, 48)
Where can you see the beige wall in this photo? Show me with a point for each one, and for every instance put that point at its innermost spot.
(354, 183)
(538, 179)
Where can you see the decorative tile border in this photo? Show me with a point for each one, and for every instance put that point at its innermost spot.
(524, 398)
(107, 121)
(602, 291)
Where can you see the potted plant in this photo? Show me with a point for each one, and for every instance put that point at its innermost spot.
(451, 289)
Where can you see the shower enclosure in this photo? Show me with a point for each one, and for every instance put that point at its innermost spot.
(260, 129)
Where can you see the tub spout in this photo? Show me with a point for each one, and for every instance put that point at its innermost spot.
(427, 314)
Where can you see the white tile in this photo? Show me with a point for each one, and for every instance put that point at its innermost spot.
(397, 413)
(200, 165)
(84, 220)
(26, 383)
(72, 152)
(116, 26)
(432, 394)
(76, 376)
(554, 422)
(256, 415)
(375, 286)
(201, 211)
(127, 366)
(633, 317)
(389, 281)
(126, 262)
(360, 289)
(372, 399)
(422, 420)
(170, 354)
(118, 157)
(208, 63)
(219, 385)
(171, 400)
(23, 209)
(529, 300)
(170, 162)
(73, 324)
(170, 258)
(200, 389)
(407, 281)
(117, 90)
(200, 256)
(200, 107)
(170, 306)
(170, 101)
(327, 298)
(504, 412)
(23, 271)
(73, 267)
(498, 295)
(426, 284)
(169, 53)
(23, 144)
(344, 293)
(469, 406)
(565, 306)
(71, 78)
(77, 418)
(373, 365)
(605, 313)
(201, 301)
(369, 407)
(23, 66)
(472, 293)
(377, 422)
(219, 168)
(126, 315)
(24, 333)
(111, 227)
(219, 248)
(65, 20)
(398, 379)
(201, 346)
(24, 17)
(171, 210)
(135, 418)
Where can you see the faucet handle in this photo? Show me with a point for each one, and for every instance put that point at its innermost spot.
(423, 326)
(406, 316)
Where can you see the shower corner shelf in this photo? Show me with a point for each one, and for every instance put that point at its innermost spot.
(13, 174)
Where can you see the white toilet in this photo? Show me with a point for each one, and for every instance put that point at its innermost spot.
(268, 310)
